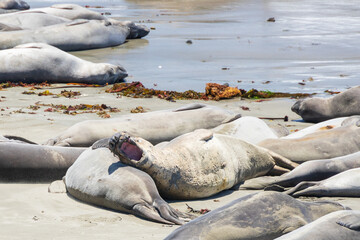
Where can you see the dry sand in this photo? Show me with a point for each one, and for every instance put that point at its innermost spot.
(28, 211)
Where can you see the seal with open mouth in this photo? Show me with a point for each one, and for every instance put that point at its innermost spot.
(195, 165)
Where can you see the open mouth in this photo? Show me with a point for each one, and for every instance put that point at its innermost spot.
(123, 146)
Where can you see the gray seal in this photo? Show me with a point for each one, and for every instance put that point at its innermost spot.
(331, 143)
(30, 20)
(22, 161)
(320, 109)
(194, 165)
(97, 177)
(344, 184)
(264, 215)
(314, 170)
(156, 127)
(71, 36)
(39, 62)
(337, 225)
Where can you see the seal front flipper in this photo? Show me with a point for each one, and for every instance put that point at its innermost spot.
(150, 213)
(351, 222)
(102, 143)
(303, 187)
(191, 106)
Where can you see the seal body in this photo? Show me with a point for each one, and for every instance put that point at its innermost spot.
(156, 127)
(38, 62)
(69, 11)
(250, 129)
(72, 36)
(265, 215)
(314, 170)
(333, 226)
(97, 177)
(31, 20)
(194, 165)
(321, 109)
(21, 161)
(344, 184)
(332, 143)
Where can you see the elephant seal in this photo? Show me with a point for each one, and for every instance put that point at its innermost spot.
(250, 129)
(21, 161)
(264, 215)
(320, 109)
(344, 184)
(14, 4)
(332, 143)
(31, 20)
(97, 177)
(314, 170)
(194, 165)
(337, 225)
(69, 11)
(39, 62)
(156, 127)
(72, 36)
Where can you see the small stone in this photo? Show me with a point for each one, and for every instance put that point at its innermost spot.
(57, 186)
(189, 42)
(272, 19)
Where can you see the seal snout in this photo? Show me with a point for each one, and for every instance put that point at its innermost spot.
(296, 107)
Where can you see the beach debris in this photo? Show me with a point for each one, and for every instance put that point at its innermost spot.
(152, 28)
(213, 91)
(286, 118)
(245, 108)
(332, 92)
(101, 110)
(216, 91)
(216, 200)
(138, 109)
(35, 218)
(20, 84)
(201, 211)
(225, 68)
(272, 19)
(301, 83)
(343, 75)
(266, 82)
(189, 42)
(64, 93)
(87, 6)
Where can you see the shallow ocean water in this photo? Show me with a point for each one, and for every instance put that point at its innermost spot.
(314, 43)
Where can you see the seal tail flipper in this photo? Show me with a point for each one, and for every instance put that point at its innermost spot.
(20, 139)
(231, 118)
(277, 171)
(350, 221)
(282, 161)
(303, 187)
(274, 187)
(151, 214)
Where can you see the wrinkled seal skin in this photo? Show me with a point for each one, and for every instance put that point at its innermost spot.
(344, 184)
(38, 62)
(331, 143)
(321, 109)
(261, 216)
(333, 226)
(21, 161)
(156, 127)
(315, 170)
(97, 177)
(14, 4)
(73, 36)
(194, 165)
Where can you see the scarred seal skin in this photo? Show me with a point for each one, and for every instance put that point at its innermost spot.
(264, 215)
(320, 109)
(39, 62)
(194, 165)
(97, 177)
